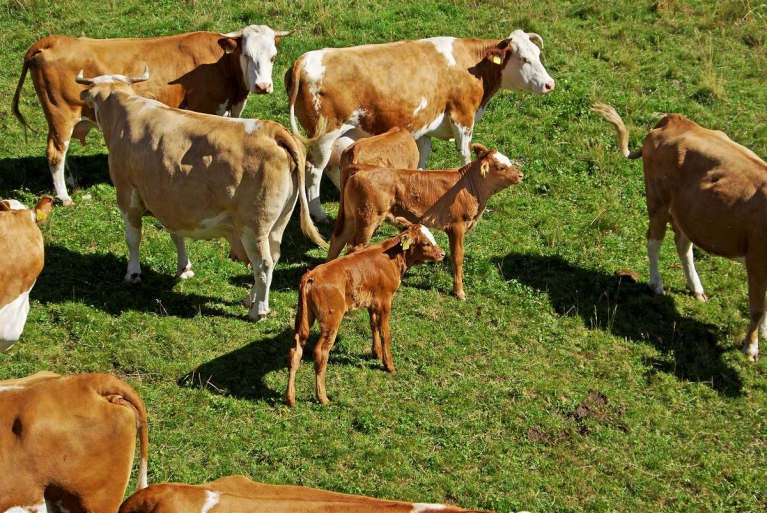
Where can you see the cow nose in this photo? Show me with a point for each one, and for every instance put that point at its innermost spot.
(521, 176)
(549, 86)
(263, 88)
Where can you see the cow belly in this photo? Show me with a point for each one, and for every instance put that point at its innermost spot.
(12, 319)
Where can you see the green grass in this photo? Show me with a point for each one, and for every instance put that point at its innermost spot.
(553, 388)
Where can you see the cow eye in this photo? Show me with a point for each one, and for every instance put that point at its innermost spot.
(272, 59)
(525, 60)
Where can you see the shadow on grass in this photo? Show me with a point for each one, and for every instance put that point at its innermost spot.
(97, 280)
(628, 310)
(241, 373)
(32, 174)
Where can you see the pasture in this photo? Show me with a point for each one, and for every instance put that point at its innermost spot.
(554, 387)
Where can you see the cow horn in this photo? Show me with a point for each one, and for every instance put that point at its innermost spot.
(535, 38)
(233, 35)
(142, 78)
(283, 33)
(85, 81)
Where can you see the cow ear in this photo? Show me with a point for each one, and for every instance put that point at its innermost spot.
(5, 206)
(43, 208)
(479, 149)
(229, 44)
(485, 168)
(405, 240)
(497, 54)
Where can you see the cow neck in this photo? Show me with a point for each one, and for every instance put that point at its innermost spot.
(237, 74)
(393, 250)
(486, 71)
(111, 108)
(474, 183)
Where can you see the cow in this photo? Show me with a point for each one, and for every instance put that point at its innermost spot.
(21, 261)
(714, 193)
(395, 149)
(451, 200)
(200, 71)
(237, 494)
(201, 176)
(436, 87)
(68, 442)
(365, 279)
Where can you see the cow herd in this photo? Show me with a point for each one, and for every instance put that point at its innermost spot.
(369, 114)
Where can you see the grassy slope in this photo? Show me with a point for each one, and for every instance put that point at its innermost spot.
(484, 408)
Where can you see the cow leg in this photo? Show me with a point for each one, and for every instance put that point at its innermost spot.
(455, 236)
(655, 232)
(132, 218)
(294, 360)
(56, 154)
(375, 349)
(237, 108)
(424, 149)
(183, 265)
(320, 156)
(757, 287)
(259, 254)
(363, 231)
(384, 311)
(684, 248)
(338, 242)
(321, 355)
(462, 135)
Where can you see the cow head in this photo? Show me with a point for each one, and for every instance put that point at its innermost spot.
(520, 58)
(418, 244)
(257, 47)
(39, 213)
(497, 166)
(102, 86)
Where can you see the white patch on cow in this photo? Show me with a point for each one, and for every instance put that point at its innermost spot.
(426, 233)
(13, 316)
(480, 112)
(11, 387)
(223, 109)
(422, 507)
(444, 45)
(653, 253)
(314, 71)
(211, 499)
(16, 205)
(434, 129)
(524, 71)
(421, 106)
(251, 125)
(356, 117)
(258, 50)
(502, 159)
(209, 228)
(37, 508)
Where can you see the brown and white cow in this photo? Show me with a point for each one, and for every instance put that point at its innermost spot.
(365, 279)
(395, 149)
(436, 87)
(199, 71)
(68, 442)
(450, 200)
(238, 494)
(714, 193)
(21, 261)
(201, 176)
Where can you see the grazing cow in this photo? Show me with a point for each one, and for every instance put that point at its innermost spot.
(366, 279)
(238, 494)
(201, 176)
(437, 87)
(714, 193)
(199, 71)
(67, 443)
(394, 149)
(21, 261)
(450, 200)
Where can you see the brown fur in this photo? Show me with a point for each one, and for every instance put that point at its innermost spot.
(238, 494)
(69, 439)
(713, 191)
(366, 279)
(395, 149)
(449, 200)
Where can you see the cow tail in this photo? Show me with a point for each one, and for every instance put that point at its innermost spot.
(612, 117)
(302, 312)
(17, 95)
(119, 392)
(292, 84)
(346, 172)
(296, 153)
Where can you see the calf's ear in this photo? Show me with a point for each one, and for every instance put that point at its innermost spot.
(5, 206)
(406, 240)
(43, 208)
(485, 168)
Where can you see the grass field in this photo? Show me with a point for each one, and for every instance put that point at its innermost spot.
(553, 388)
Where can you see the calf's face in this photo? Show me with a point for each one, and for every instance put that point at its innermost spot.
(419, 245)
(497, 165)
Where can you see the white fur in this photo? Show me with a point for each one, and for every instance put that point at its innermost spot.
(251, 125)
(428, 235)
(258, 48)
(37, 508)
(13, 316)
(211, 499)
(421, 106)
(314, 71)
(653, 253)
(524, 70)
(433, 129)
(11, 387)
(223, 109)
(419, 507)
(502, 159)
(444, 45)
(16, 205)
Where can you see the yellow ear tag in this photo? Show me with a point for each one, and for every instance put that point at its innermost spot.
(484, 169)
(405, 244)
(40, 215)
(228, 50)
(496, 59)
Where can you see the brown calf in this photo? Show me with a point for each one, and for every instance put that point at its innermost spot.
(366, 279)
(450, 200)
(395, 149)
(238, 494)
(714, 193)
(21, 261)
(67, 442)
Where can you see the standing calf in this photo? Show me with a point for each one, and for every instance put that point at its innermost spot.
(449, 200)
(714, 193)
(395, 149)
(366, 279)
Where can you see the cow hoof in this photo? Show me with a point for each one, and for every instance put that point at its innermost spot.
(321, 220)
(391, 369)
(257, 317)
(752, 354)
(657, 290)
(186, 273)
(290, 401)
(133, 279)
(67, 202)
(702, 298)
(460, 295)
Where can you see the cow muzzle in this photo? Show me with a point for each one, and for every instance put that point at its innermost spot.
(262, 88)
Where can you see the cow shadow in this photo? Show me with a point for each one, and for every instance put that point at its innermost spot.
(630, 311)
(97, 280)
(32, 174)
(241, 373)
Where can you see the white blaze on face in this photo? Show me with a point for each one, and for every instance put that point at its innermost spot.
(444, 45)
(421, 507)
(211, 499)
(523, 70)
(426, 233)
(502, 159)
(257, 58)
(314, 71)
